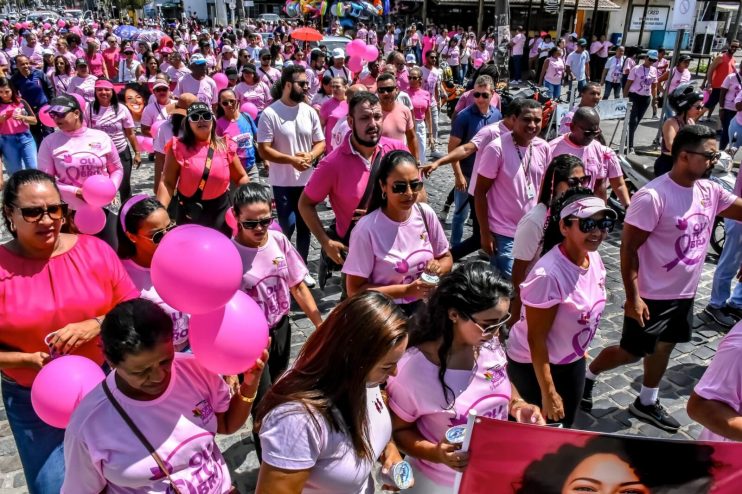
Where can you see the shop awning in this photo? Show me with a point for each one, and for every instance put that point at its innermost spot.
(570, 4)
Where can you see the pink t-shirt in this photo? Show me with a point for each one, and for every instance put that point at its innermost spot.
(680, 220)
(397, 122)
(733, 86)
(595, 47)
(142, 279)
(85, 87)
(192, 162)
(343, 176)
(258, 94)
(415, 395)
(453, 55)
(605, 46)
(642, 78)
(599, 161)
(516, 182)
(332, 110)
(38, 296)
(388, 41)
(269, 75)
(152, 113)
(72, 157)
(101, 453)
(269, 273)
(482, 138)
(580, 296)
(95, 63)
(204, 89)
(738, 116)
(60, 82)
(390, 253)
(291, 441)
(630, 64)
(554, 70)
(519, 41)
(11, 125)
(177, 73)
(678, 77)
(112, 123)
(420, 102)
(722, 380)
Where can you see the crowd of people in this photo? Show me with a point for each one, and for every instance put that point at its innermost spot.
(244, 128)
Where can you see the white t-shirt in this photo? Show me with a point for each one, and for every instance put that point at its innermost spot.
(576, 62)
(101, 452)
(291, 441)
(290, 130)
(529, 234)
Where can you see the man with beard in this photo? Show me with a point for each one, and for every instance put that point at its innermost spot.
(290, 139)
(345, 176)
(665, 239)
(198, 83)
(397, 122)
(314, 72)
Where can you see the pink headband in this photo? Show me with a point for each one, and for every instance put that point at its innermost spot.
(103, 84)
(128, 205)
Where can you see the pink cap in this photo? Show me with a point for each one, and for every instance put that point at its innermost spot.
(103, 84)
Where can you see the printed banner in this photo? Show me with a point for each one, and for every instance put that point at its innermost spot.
(613, 109)
(512, 458)
(683, 14)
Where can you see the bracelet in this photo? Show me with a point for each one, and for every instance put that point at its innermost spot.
(98, 320)
(245, 398)
(515, 402)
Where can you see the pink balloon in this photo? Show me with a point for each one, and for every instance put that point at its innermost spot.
(89, 219)
(60, 23)
(145, 144)
(231, 220)
(221, 80)
(81, 101)
(61, 385)
(47, 25)
(98, 190)
(229, 340)
(250, 109)
(356, 48)
(372, 53)
(155, 127)
(45, 118)
(355, 64)
(213, 274)
(275, 226)
(18, 25)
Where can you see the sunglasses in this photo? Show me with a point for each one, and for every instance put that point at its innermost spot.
(58, 114)
(579, 181)
(229, 102)
(161, 89)
(158, 235)
(265, 58)
(712, 156)
(401, 187)
(493, 329)
(386, 90)
(415, 78)
(588, 225)
(698, 107)
(302, 84)
(34, 214)
(253, 224)
(197, 117)
(478, 95)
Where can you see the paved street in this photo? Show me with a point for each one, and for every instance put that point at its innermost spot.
(613, 392)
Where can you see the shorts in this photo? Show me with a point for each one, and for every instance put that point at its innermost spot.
(670, 321)
(713, 98)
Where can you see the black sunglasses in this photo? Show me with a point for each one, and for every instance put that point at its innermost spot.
(386, 90)
(161, 89)
(302, 84)
(415, 78)
(588, 225)
(478, 95)
(229, 102)
(34, 214)
(265, 58)
(253, 224)
(401, 187)
(579, 181)
(712, 156)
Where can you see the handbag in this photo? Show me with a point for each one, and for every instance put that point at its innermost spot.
(145, 442)
(192, 206)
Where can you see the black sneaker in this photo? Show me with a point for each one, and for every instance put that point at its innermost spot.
(720, 316)
(655, 414)
(586, 403)
(733, 312)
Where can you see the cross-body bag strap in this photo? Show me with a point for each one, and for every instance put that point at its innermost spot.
(425, 220)
(363, 203)
(207, 168)
(145, 442)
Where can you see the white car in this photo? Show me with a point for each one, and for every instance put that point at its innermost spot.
(272, 18)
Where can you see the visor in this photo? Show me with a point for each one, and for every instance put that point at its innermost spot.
(585, 208)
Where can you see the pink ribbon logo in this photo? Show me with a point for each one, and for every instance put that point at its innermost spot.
(694, 241)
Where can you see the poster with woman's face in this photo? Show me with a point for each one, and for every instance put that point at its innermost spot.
(511, 458)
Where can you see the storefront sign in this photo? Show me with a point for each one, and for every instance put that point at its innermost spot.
(683, 14)
(655, 20)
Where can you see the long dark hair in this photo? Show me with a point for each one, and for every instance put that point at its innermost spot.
(114, 101)
(388, 163)
(189, 138)
(67, 66)
(472, 287)
(331, 371)
(133, 220)
(15, 96)
(219, 107)
(14, 184)
(552, 234)
(558, 171)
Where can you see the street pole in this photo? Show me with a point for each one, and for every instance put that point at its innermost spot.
(644, 16)
(560, 18)
(480, 18)
(593, 27)
(626, 23)
(735, 28)
(425, 13)
(666, 99)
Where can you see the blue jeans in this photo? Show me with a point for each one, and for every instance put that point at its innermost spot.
(727, 267)
(556, 89)
(39, 445)
(287, 207)
(460, 214)
(503, 258)
(612, 86)
(735, 133)
(19, 151)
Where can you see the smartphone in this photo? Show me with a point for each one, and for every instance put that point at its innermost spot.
(557, 425)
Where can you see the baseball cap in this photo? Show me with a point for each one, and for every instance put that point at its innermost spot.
(198, 59)
(410, 58)
(47, 51)
(264, 53)
(582, 42)
(198, 107)
(231, 73)
(338, 53)
(227, 49)
(584, 208)
(193, 37)
(684, 58)
(652, 55)
(81, 61)
(63, 104)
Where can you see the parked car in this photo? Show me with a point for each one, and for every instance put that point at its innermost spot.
(331, 42)
(273, 18)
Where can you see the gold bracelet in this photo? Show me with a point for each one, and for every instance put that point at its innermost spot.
(245, 398)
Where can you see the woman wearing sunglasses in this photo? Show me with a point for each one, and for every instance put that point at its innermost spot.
(398, 239)
(334, 109)
(421, 111)
(273, 273)
(56, 289)
(564, 296)
(454, 342)
(199, 167)
(687, 103)
(143, 223)
(240, 127)
(252, 90)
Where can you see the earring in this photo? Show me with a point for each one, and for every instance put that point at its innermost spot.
(383, 195)
(12, 226)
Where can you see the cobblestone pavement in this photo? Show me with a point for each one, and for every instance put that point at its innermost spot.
(613, 392)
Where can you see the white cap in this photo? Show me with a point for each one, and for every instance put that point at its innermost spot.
(410, 58)
(338, 53)
(227, 49)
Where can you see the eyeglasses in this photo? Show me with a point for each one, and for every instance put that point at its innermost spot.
(229, 102)
(253, 224)
(698, 107)
(386, 90)
(401, 187)
(197, 117)
(302, 84)
(478, 95)
(579, 181)
(712, 156)
(493, 329)
(588, 225)
(158, 235)
(34, 214)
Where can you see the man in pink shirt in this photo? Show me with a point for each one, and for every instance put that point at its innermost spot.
(665, 238)
(343, 175)
(198, 83)
(510, 172)
(516, 51)
(397, 122)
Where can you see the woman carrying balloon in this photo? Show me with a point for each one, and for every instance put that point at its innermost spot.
(398, 239)
(199, 166)
(324, 423)
(454, 342)
(273, 273)
(75, 281)
(240, 127)
(105, 113)
(73, 155)
(158, 401)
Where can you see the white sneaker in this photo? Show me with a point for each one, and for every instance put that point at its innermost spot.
(309, 281)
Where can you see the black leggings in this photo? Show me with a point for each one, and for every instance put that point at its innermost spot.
(639, 105)
(126, 161)
(569, 380)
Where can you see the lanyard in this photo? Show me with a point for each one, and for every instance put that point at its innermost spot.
(527, 167)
